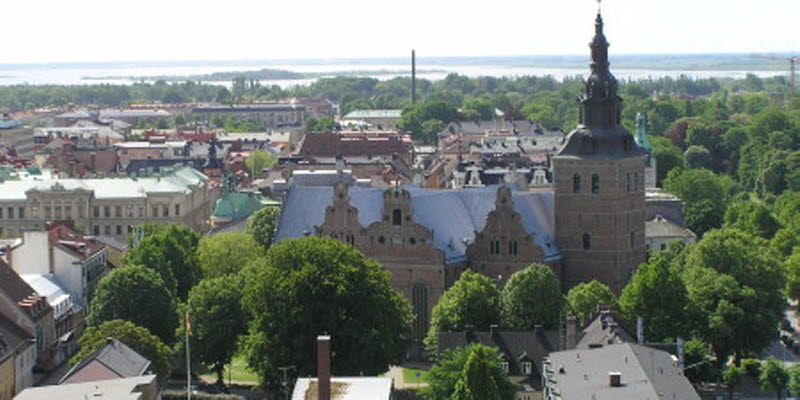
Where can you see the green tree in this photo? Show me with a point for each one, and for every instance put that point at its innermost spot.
(137, 338)
(532, 297)
(667, 155)
(773, 377)
(584, 298)
(469, 373)
(784, 241)
(792, 268)
(226, 253)
(542, 113)
(261, 226)
(473, 301)
(698, 157)
(705, 195)
(732, 377)
(133, 293)
(699, 367)
(179, 120)
(309, 286)
(215, 308)
(794, 380)
(170, 251)
(258, 160)
(752, 217)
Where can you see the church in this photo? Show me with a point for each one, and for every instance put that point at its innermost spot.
(589, 225)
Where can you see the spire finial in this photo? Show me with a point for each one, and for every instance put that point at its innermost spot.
(599, 3)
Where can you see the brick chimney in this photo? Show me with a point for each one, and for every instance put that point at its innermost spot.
(572, 332)
(324, 367)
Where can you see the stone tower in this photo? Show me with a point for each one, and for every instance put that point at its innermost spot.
(599, 185)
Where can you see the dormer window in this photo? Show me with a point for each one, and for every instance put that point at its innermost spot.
(527, 368)
(504, 365)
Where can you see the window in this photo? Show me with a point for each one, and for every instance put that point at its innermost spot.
(68, 211)
(576, 183)
(107, 231)
(628, 182)
(527, 368)
(595, 183)
(504, 365)
(512, 247)
(494, 247)
(1, 212)
(635, 181)
(119, 230)
(107, 211)
(155, 212)
(96, 211)
(166, 211)
(21, 212)
(177, 210)
(397, 217)
(118, 211)
(419, 299)
(381, 240)
(633, 239)
(10, 212)
(96, 230)
(587, 241)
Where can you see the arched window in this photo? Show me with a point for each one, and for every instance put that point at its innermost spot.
(595, 183)
(587, 241)
(576, 183)
(397, 217)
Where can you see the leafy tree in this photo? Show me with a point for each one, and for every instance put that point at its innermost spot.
(308, 286)
(794, 380)
(667, 155)
(784, 241)
(732, 377)
(261, 225)
(258, 160)
(658, 295)
(137, 338)
(699, 367)
(735, 287)
(473, 301)
(542, 113)
(226, 253)
(705, 195)
(792, 268)
(532, 297)
(770, 120)
(133, 293)
(179, 120)
(470, 373)
(584, 298)
(752, 217)
(215, 308)
(698, 157)
(170, 251)
(773, 377)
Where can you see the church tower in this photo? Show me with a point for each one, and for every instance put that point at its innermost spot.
(599, 185)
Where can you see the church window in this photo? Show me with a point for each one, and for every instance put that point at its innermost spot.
(587, 241)
(494, 247)
(595, 183)
(576, 183)
(397, 217)
(512, 247)
(350, 239)
(381, 239)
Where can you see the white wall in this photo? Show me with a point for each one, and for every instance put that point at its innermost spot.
(70, 274)
(31, 257)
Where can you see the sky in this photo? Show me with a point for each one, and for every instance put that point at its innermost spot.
(37, 31)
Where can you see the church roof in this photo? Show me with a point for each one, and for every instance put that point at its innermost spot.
(453, 216)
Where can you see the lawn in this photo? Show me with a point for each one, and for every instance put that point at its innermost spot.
(410, 375)
(238, 372)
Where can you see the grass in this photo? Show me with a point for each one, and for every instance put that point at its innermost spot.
(238, 371)
(410, 375)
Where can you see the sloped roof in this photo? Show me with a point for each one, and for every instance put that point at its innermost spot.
(356, 114)
(19, 291)
(454, 216)
(115, 356)
(514, 346)
(662, 227)
(51, 287)
(117, 389)
(603, 330)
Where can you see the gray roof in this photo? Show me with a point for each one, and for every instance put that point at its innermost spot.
(117, 389)
(356, 114)
(116, 356)
(603, 330)
(454, 216)
(647, 374)
(662, 227)
(600, 143)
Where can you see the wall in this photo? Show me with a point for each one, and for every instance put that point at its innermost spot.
(32, 256)
(7, 378)
(23, 367)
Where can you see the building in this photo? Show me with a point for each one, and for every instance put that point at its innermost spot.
(114, 360)
(22, 347)
(136, 388)
(617, 371)
(520, 352)
(267, 115)
(316, 107)
(67, 314)
(366, 144)
(6, 369)
(660, 231)
(107, 206)
(643, 142)
(381, 119)
(599, 185)
(326, 387)
(106, 116)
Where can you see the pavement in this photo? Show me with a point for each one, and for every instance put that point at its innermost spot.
(396, 373)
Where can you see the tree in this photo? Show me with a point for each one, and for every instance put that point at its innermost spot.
(784, 241)
(583, 299)
(473, 301)
(752, 217)
(470, 373)
(226, 253)
(170, 251)
(309, 286)
(134, 293)
(794, 380)
(773, 377)
(735, 286)
(667, 155)
(698, 368)
(658, 295)
(258, 160)
(137, 338)
(705, 195)
(261, 225)
(215, 308)
(532, 297)
(732, 376)
(698, 157)
(792, 268)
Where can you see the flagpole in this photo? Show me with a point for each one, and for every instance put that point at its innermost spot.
(188, 362)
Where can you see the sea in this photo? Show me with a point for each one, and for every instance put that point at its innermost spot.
(559, 67)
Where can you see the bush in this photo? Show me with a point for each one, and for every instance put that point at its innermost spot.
(752, 366)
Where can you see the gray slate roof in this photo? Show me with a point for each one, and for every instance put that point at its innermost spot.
(647, 374)
(454, 216)
(117, 357)
(662, 227)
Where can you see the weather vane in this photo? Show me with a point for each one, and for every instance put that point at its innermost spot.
(599, 2)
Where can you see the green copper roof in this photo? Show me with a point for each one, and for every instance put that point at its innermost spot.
(641, 136)
(235, 206)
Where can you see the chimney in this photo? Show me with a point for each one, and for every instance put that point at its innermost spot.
(640, 330)
(615, 379)
(324, 367)
(679, 344)
(572, 333)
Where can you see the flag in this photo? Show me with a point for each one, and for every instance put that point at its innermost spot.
(188, 325)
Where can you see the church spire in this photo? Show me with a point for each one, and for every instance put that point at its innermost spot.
(600, 105)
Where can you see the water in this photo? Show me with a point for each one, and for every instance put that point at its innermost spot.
(116, 73)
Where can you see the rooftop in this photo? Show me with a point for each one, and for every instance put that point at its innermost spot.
(114, 360)
(360, 388)
(662, 227)
(358, 114)
(116, 389)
